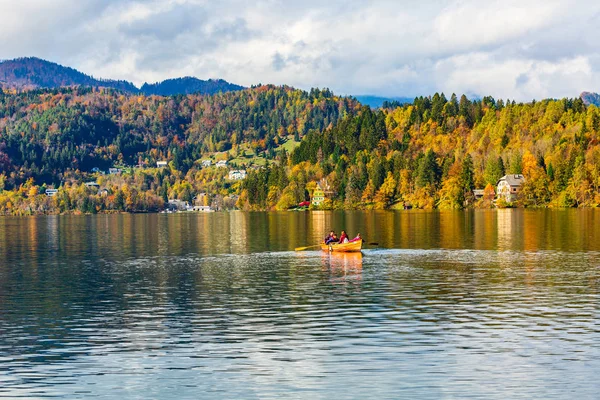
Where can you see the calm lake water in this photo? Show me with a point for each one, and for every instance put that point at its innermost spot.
(481, 304)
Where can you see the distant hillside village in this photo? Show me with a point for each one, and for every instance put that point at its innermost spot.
(201, 202)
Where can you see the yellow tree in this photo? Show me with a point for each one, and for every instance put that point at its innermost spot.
(451, 194)
(534, 191)
(368, 193)
(387, 191)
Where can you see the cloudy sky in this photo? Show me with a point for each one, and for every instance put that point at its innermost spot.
(519, 49)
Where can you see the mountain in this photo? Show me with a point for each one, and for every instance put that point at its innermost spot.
(377, 101)
(188, 85)
(590, 98)
(35, 73)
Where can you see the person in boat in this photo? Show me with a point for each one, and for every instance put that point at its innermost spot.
(357, 238)
(332, 237)
(343, 237)
(329, 235)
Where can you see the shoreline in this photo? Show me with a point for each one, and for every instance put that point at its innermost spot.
(413, 210)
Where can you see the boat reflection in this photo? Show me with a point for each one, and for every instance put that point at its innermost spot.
(343, 266)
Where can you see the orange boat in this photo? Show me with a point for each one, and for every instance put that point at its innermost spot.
(350, 247)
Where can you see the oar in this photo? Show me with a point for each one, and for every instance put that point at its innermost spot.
(307, 247)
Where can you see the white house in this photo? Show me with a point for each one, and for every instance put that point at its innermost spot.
(202, 208)
(114, 171)
(221, 164)
(206, 163)
(178, 205)
(509, 187)
(92, 185)
(51, 192)
(161, 164)
(237, 175)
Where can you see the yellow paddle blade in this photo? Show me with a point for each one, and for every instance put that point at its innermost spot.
(306, 247)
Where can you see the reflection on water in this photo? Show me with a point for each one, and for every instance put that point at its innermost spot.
(343, 267)
(494, 304)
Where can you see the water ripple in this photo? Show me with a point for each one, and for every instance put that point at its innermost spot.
(419, 323)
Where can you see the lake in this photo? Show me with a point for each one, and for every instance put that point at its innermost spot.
(500, 304)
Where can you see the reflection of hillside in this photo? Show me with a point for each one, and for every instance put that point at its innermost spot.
(109, 293)
(485, 229)
(451, 226)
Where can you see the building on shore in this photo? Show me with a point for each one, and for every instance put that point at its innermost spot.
(161, 164)
(202, 209)
(322, 192)
(318, 196)
(178, 205)
(509, 186)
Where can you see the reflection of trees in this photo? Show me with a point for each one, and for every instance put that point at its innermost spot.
(485, 233)
(142, 273)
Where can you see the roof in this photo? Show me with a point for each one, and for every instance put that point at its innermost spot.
(513, 179)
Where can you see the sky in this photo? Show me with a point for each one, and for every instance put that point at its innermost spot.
(522, 50)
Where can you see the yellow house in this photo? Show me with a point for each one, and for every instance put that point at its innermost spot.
(318, 196)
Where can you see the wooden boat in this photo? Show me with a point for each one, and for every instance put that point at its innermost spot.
(349, 247)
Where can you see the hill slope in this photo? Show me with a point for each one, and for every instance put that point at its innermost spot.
(188, 85)
(432, 153)
(45, 133)
(34, 73)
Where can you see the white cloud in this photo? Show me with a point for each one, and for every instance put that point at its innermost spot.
(519, 49)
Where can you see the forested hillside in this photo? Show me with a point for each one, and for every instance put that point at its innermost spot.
(435, 152)
(55, 137)
(432, 153)
(34, 73)
(188, 85)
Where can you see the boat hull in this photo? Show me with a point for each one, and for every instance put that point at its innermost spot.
(350, 247)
